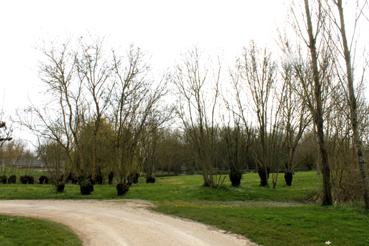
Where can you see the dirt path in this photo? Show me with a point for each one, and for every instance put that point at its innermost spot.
(121, 223)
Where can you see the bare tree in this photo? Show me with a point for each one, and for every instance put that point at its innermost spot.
(61, 118)
(348, 80)
(94, 71)
(134, 99)
(295, 117)
(256, 71)
(320, 59)
(198, 95)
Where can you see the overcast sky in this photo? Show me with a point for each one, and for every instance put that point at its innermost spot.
(163, 28)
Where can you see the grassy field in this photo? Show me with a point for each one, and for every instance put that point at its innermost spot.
(281, 216)
(16, 231)
(185, 188)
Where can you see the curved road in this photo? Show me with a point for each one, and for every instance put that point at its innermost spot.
(121, 223)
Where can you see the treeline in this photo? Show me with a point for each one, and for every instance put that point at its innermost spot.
(107, 113)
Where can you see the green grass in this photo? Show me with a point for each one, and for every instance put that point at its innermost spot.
(16, 231)
(281, 216)
(186, 188)
(275, 224)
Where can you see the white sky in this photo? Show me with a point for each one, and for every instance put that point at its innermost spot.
(162, 28)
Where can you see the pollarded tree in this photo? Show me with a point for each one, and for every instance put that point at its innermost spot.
(198, 99)
(95, 70)
(255, 76)
(134, 99)
(295, 117)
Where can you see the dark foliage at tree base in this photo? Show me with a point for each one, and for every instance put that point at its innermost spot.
(99, 179)
(60, 187)
(288, 176)
(135, 177)
(122, 188)
(263, 175)
(86, 187)
(12, 179)
(235, 178)
(110, 177)
(3, 179)
(150, 179)
(72, 178)
(26, 179)
(43, 180)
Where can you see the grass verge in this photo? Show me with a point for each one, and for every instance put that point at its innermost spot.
(16, 231)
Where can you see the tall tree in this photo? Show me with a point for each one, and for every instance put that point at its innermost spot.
(198, 99)
(315, 29)
(256, 70)
(348, 75)
(95, 72)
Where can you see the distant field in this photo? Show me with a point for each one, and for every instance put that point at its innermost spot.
(281, 216)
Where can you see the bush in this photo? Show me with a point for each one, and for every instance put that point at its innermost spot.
(99, 179)
(12, 179)
(26, 179)
(3, 179)
(86, 186)
(43, 180)
(150, 179)
(31, 180)
(60, 187)
(110, 177)
(23, 179)
(122, 188)
(263, 175)
(235, 177)
(288, 176)
(135, 178)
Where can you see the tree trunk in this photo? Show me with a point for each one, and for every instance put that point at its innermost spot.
(318, 111)
(357, 144)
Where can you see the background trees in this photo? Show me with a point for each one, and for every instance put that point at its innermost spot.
(107, 114)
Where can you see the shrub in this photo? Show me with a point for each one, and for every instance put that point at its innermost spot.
(3, 179)
(135, 178)
(122, 188)
(12, 179)
(235, 177)
(99, 179)
(263, 175)
(43, 180)
(60, 187)
(288, 176)
(150, 179)
(26, 179)
(86, 186)
(110, 177)
(31, 180)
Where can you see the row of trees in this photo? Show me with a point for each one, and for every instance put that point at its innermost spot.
(107, 111)
(100, 103)
(314, 87)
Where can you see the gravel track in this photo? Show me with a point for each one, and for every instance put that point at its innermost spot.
(121, 223)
